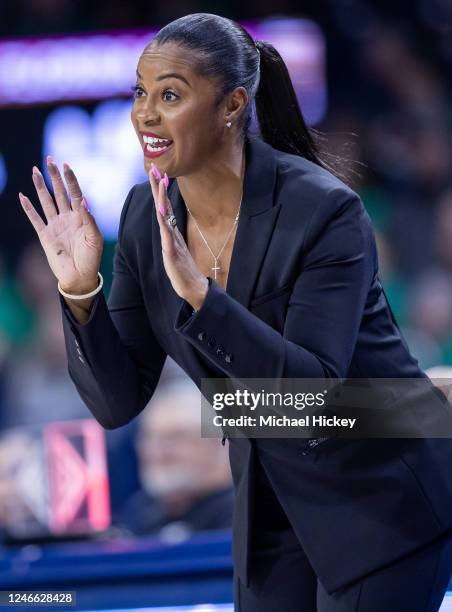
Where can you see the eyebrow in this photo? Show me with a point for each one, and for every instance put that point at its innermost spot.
(168, 75)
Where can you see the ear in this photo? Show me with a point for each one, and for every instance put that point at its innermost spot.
(236, 102)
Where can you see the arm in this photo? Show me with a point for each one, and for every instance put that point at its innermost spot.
(324, 312)
(114, 358)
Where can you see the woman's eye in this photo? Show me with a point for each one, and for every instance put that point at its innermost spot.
(137, 91)
(168, 91)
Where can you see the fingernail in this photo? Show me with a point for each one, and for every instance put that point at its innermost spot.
(166, 180)
(21, 196)
(36, 170)
(162, 209)
(156, 172)
(66, 167)
(50, 159)
(85, 204)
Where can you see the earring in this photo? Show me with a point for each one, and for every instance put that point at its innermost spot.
(228, 124)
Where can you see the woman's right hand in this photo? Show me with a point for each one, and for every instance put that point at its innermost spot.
(71, 239)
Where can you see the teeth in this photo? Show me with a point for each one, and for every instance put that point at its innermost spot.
(153, 149)
(153, 140)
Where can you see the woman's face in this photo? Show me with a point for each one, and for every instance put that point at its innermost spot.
(178, 109)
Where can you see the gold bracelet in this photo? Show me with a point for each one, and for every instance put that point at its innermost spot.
(84, 296)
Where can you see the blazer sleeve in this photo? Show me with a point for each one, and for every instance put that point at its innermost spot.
(324, 312)
(114, 358)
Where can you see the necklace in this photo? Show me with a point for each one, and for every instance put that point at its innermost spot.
(216, 257)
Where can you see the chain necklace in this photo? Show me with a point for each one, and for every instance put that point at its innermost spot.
(216, 257)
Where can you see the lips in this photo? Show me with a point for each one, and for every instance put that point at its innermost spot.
(155, 145)
(153, 150)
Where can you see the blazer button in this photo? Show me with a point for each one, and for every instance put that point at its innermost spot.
(211, 342)
(220, 351)
(202, 336)
(228, 357)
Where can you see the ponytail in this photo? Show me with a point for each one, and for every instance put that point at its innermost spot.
(280, 119)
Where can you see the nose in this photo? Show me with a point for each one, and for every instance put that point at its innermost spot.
(146, 117)
(146, 114)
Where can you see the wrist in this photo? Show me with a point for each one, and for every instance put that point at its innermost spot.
(81, 288)
(196, 300)
(80, 309)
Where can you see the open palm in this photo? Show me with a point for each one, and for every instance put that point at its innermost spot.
(71, 239)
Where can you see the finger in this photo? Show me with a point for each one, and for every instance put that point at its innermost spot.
(180, 239)
(31, 213)
(87, 216)
(93, 235)
(166, 232)
(177, 236)
(75, 192)
(46, 200)
(164, 203)
(168, 205)
(154, 185)
(58, 186)
(156, 172)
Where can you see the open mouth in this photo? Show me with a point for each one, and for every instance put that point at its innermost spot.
(155, 146)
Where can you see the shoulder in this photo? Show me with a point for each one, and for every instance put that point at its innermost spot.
(327, 214)
(312, 183)
(314, 196)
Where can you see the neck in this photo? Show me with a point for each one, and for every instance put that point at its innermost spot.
(215, 189)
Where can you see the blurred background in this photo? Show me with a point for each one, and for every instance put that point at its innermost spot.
(144, 512)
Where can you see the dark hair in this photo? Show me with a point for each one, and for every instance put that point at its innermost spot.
(225, 52)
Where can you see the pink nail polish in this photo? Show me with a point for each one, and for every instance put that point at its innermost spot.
(85, 203)
(162, 210)
(156, 172)
(166, 180)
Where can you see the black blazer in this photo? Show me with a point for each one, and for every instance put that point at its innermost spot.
(303, 300)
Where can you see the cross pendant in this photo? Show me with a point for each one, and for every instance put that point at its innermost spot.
(215, 268)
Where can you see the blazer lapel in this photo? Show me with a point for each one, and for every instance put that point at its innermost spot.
(256, 221)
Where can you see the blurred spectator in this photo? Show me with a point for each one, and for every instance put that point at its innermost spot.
(185, 479)
(431, 304)
(13, 507)
(122, 459)
(49, 394)
(16, 319)
(431, 316)
(37, 281)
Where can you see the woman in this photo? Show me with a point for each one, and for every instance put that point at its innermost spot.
(256, 262)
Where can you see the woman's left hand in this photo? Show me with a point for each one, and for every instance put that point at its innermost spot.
(186, 278)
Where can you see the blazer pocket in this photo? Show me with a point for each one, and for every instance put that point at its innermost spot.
(272, 307)
(269, 296)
